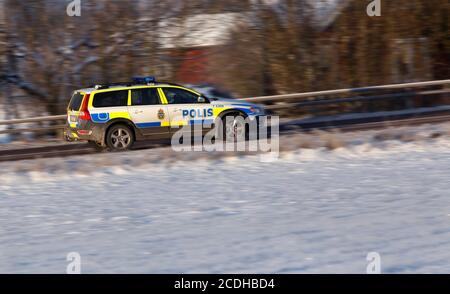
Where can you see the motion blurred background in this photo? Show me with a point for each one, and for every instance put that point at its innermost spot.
(240, 48)
(329, 199)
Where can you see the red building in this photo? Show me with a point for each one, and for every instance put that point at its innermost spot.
(190, 43)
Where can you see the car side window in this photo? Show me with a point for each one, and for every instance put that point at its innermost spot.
(111, 99)
(148, 96)
(180, 96)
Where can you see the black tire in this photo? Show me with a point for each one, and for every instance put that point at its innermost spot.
(239, 130)
(119, 138)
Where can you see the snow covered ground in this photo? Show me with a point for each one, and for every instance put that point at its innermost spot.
(312, 211)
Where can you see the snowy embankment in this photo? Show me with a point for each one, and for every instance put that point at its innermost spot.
(312, 211)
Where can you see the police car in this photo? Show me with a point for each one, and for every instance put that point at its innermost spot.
(114, 116)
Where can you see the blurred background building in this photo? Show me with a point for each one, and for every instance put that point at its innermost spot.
(248, 48)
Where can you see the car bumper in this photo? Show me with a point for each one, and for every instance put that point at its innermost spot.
(70, 135)
(88, 133)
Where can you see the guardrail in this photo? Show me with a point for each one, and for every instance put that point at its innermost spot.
(346, 91)
(405, 96)
(41, 119)
(287, 101)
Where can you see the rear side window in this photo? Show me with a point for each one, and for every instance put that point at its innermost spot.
(147, 96)
(180, 96)
(75, 101)
(111, 99)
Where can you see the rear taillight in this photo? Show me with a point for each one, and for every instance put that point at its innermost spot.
(84, 132)
(84, 112)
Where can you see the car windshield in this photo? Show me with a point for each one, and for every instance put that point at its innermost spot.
(75, 101)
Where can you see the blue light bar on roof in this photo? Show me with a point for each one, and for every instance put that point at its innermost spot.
(144, 80)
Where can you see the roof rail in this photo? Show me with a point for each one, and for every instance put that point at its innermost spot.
(107, 85)
(136, 81)
(169, 83)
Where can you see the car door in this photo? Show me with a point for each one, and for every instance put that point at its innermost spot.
(148, 112)
(184, 108)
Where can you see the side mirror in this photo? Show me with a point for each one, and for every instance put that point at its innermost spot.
(201, 99)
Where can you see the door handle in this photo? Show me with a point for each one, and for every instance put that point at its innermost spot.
(138, 111)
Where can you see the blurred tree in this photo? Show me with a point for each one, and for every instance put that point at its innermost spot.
(294, 51)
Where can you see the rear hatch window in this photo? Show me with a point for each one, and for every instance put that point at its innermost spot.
(75, 102)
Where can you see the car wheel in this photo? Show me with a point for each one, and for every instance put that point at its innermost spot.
(234, 128)
(119, 138)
